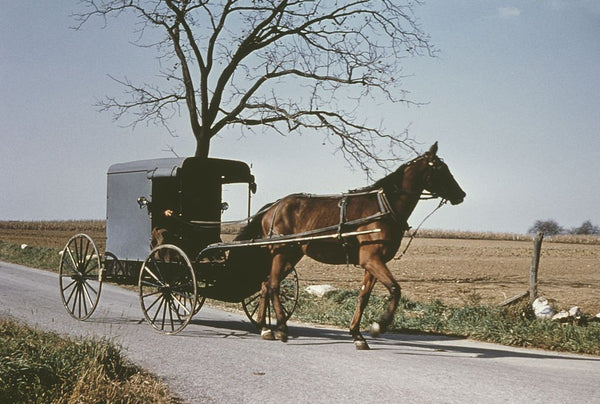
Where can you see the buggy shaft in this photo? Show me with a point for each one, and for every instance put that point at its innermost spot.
(290, 239)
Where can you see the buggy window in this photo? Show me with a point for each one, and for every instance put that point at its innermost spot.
(236, 198)
(165, 195)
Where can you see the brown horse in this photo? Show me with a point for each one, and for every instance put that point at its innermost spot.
(379, 215)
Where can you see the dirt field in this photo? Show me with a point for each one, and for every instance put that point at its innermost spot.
(487, 271)
(455, 271)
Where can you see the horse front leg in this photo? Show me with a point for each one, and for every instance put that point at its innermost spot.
(380, 271)
(281, 330)
(261, 316)
(363, 299)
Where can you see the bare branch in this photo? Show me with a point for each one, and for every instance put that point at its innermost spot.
(286, 65)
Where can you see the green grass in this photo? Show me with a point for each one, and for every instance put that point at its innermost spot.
(37, 257)
(43, 367)
(513, 325)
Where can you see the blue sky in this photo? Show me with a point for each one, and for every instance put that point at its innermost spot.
(513, 99)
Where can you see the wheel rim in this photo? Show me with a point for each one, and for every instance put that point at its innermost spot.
(80, 276)
(167, 289)
(288, 294)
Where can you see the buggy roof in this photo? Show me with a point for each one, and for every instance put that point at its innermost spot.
(228, 171)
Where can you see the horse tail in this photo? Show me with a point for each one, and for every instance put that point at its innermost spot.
(254, 228)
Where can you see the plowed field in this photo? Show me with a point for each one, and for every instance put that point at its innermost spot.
(487, 271)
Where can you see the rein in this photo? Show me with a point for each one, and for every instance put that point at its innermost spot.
(442, 203)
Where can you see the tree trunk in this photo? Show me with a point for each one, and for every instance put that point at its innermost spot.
(202, 146)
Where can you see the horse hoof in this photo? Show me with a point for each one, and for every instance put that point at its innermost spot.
(375, 330)
(361, 345)
(281, 336)
(267, 334)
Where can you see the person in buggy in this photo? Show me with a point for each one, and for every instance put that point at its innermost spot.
(172, 228)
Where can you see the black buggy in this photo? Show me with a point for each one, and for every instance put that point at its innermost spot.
(188, 261)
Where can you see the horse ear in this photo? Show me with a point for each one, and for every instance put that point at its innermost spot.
(433, 149)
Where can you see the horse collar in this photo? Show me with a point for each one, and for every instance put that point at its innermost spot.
(386, 207)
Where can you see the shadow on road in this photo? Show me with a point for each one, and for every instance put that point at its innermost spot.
(400, 344)
(446, 346)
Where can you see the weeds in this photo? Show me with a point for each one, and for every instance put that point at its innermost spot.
(42, 367)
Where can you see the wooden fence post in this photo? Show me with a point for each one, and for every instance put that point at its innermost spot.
(535, 261)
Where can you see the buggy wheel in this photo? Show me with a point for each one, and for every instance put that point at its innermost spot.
(167, 289)
(80, 276)
(288, 294)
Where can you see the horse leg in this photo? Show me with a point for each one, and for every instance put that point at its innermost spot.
(363, 298)
(265, 332)
(380, 271)
(281, 330)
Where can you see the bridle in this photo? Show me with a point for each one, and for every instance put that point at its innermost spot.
(433, 164)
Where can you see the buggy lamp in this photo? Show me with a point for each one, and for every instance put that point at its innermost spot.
(143, 202)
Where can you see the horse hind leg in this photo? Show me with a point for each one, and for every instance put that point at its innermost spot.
(280, 331)
(363, 299)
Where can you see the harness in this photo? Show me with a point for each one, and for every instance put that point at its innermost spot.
(385, 209)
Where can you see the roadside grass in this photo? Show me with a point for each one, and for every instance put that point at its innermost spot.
(43, 367)
(513, 325)
(37, 257)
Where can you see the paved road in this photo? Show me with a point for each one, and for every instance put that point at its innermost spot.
(218, 357)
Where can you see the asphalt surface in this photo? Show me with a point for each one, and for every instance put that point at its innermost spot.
(219, 358)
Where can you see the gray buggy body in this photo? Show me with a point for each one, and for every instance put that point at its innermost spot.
(191, 187)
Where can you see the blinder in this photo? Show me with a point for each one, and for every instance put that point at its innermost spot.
(435, 166)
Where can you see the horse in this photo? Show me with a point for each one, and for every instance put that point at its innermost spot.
(369, 223)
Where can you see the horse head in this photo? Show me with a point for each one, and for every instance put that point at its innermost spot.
(437, 177)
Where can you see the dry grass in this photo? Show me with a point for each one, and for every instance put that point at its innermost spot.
(44, 367)
(482, 235)
(54, 225)
(53, 232)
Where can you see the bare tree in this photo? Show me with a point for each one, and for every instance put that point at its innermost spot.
(548, 227)
(290, 65)
(586, 228)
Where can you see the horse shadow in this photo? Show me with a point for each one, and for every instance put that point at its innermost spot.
(395, 343)
(441, 345)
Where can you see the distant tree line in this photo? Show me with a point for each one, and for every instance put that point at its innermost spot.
(552, 228)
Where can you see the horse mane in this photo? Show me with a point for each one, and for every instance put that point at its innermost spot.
(384, 183)
(254, 228)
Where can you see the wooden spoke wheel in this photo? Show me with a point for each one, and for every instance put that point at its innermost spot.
(167, 289)
(80, 276)
(288, 294)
